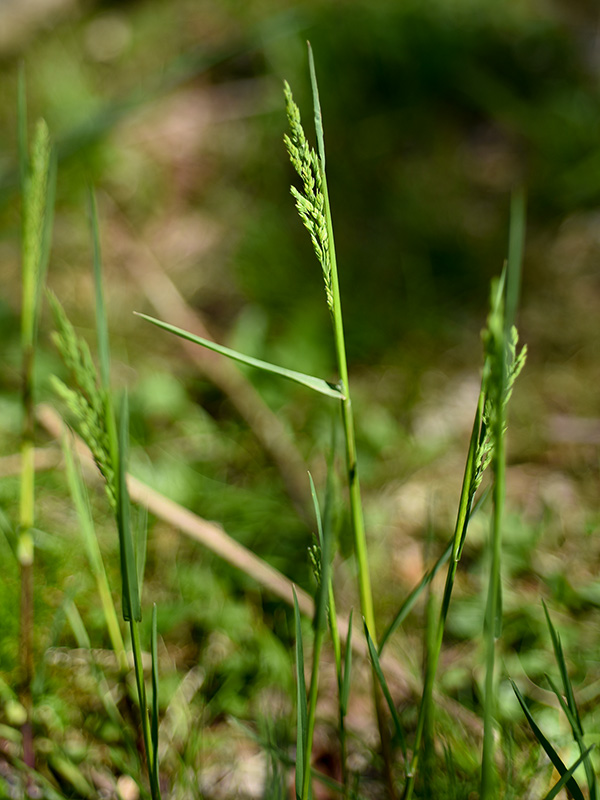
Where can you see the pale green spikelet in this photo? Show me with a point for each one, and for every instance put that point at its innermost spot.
(86, 401)
(311, 202)
(502, 368)
(314, 555)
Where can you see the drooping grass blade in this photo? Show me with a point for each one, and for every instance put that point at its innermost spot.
(316, 384)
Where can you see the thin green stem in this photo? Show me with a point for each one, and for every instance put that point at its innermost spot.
(433, 656)
(488, 773)
(356, 507)
(145, 718)
(312, 709)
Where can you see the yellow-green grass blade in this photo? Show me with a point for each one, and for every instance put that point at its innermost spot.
(567, 776)
(130, 588)
(316, 384)
(301, 702)
(571, 784)
(385, 689)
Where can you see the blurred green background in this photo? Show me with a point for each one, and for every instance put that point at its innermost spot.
(433, 114)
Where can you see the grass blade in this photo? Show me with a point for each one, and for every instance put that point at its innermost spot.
(385, 690)
(414, 595)
(569, 707)
(141, 543)
(345, 692)
(131, 594)
(86, 526)
(301, 702)
(570, 782)
(316, 384)
(101, 318)
(562, 666)
(567, 776)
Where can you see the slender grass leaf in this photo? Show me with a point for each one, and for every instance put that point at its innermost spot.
(317, 384)
(567, 776)
(141, 543)
(317, 107)
(131, 595)
(70, 773)
(562, 666)
(324, 531)
(414, 595)
(101, 318)
(154, 714)
(385, 689)
(301, 702)
(575, 723)
(516, 244)
(571, 784)
(345, 693)
(81, 502)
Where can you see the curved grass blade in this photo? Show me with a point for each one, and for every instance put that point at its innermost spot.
(385, 690)
(412, 598)
(570, 783)
(568, 774)
(316, 384)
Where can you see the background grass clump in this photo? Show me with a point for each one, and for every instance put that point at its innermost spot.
(432, 116)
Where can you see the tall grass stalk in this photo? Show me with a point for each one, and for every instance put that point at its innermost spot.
(91, 403)
(37, 180)
(314, 209)
(500, 369)
(500, 342)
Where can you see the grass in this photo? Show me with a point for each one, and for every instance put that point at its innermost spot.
(412, 729)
